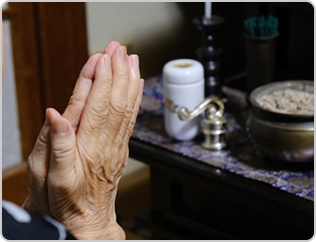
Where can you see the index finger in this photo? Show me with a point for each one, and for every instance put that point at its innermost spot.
(111, 47)
(80, 93)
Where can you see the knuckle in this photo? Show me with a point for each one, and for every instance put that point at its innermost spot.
(99, 109)
(62, 152)
(42, 140)
(126, 122)
(95, 118)
(122, 74)
(128, 134)
(132, 124)
(30, 165)
(129, 109)
(118, 107)
(74, 100)
(33, 169)
(107, 77)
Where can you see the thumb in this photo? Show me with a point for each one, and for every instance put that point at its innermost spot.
(63, 151)
(37, 167)
(41, 147)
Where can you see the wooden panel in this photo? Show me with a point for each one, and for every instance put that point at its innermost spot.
(64, 49)
(49, 42)
(6, 13)
(27, 74)
(15, 184)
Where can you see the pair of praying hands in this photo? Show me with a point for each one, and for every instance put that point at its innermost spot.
(79, 156)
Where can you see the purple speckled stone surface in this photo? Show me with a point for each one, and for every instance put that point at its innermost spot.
(240, 157)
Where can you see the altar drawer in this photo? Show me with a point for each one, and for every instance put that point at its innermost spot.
(206, 205)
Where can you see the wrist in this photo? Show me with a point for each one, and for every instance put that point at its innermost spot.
(30, 205)
(27, 204)
(95, 228)
(112, 231)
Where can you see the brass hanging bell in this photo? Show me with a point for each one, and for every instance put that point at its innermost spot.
(213, 125)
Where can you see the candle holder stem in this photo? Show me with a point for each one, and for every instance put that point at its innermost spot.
(209, 54)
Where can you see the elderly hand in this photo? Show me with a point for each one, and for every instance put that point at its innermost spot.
(89, 147)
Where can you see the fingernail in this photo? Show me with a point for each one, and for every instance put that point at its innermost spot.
(49, 116)
(142, 82)
(60, 127)
(134, 61)
(107, 60)
(122, 52)
(141, 86)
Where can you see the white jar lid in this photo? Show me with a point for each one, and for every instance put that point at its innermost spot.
(183, 71)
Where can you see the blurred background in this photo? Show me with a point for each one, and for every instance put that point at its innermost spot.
(46, 44)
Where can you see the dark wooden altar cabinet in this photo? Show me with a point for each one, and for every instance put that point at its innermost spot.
(229, 194)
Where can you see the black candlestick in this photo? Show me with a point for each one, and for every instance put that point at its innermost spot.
(209, 54)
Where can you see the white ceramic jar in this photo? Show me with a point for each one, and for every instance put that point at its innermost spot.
(183, 81)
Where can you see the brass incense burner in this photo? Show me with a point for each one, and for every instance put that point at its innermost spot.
(213, 125)
(282, 136)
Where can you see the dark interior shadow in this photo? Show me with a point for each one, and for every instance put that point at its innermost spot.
(276, 165)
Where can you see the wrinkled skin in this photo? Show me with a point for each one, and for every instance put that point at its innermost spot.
(79, 156)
